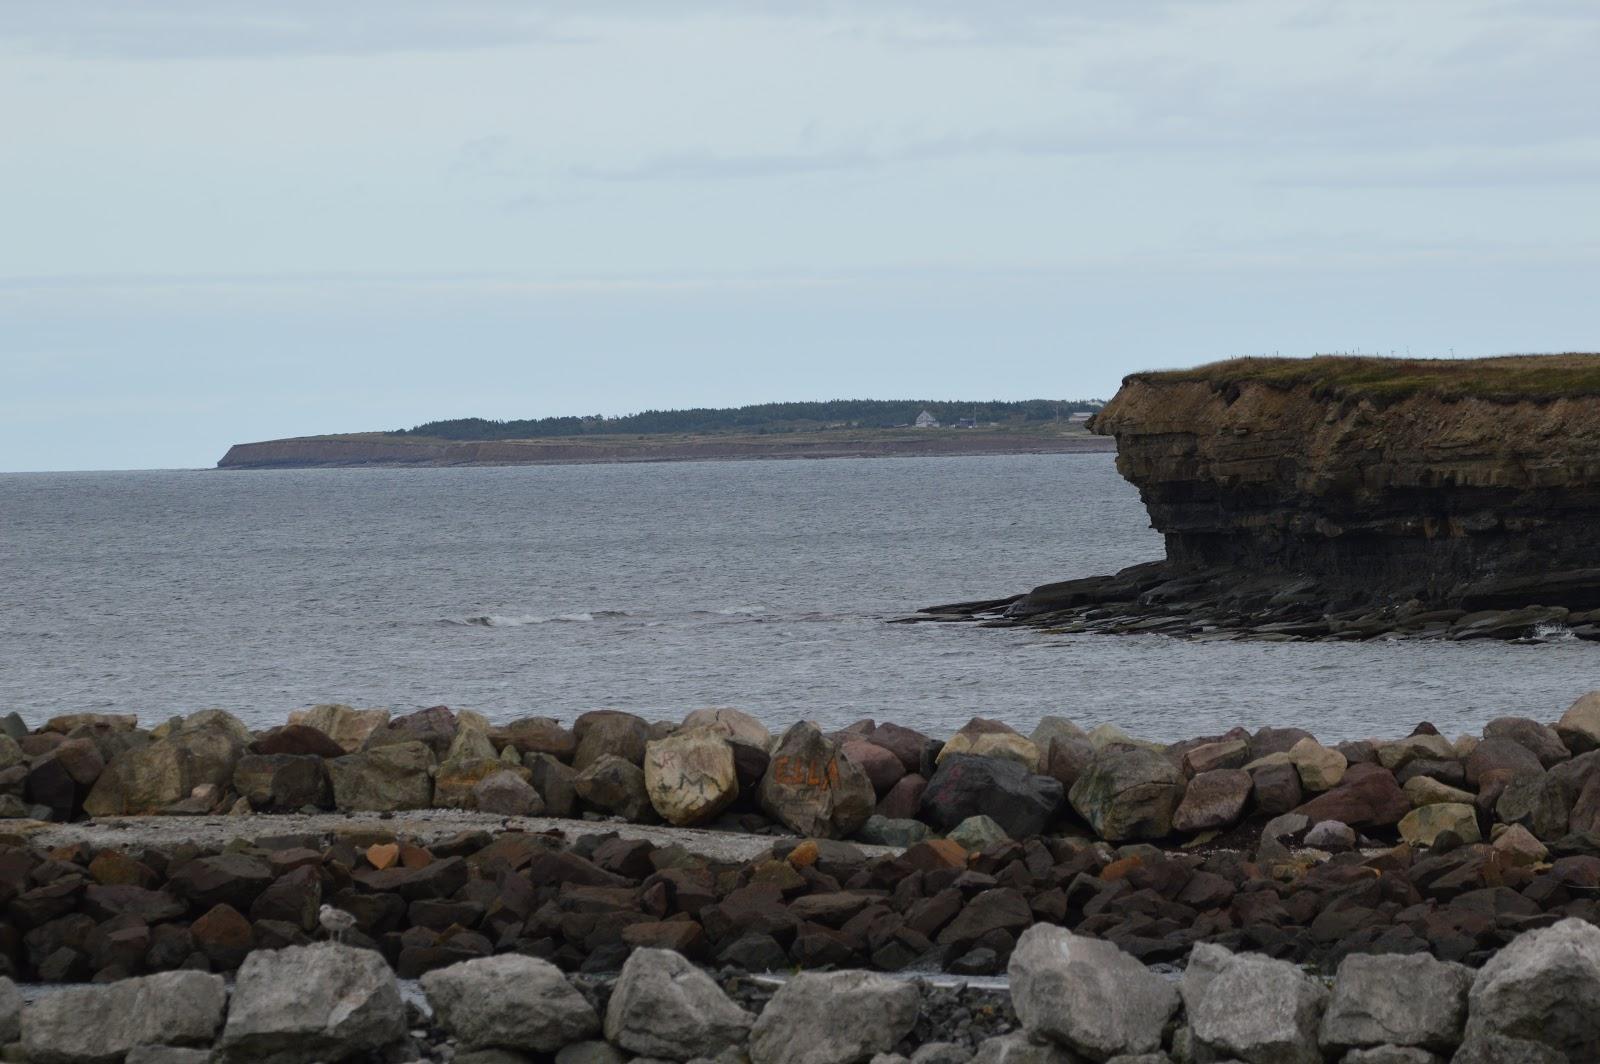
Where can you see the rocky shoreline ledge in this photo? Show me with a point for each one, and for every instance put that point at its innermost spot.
(871, 847)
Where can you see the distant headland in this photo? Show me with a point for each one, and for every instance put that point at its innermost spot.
(856, 428)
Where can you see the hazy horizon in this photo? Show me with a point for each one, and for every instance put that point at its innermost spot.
(228, 223)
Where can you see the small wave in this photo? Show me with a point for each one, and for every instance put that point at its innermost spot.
(741, 611)
(517, 620)
(1554, 633)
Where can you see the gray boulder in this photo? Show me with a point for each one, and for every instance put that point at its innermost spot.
(96, 1024)
(1398, 1000)
(1018, 1048)
(966, 785)
(10, 1012)
(1087, 995)
(312, 1003)
(1543, 989)
(592, 1052)
(665, 1007)
(941, 1053)
(510, 1001)
(507, 794)
(615, 785)
(834, 1018)
(1485, 1047)
(1261, 1011)
(1128, 792)
(1206, 960)
(1212, 800)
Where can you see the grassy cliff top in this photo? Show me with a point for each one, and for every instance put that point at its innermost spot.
(1507, 379)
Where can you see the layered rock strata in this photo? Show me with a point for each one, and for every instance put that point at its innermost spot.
(1348, 498)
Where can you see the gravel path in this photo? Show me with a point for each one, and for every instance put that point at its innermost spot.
(424, 826)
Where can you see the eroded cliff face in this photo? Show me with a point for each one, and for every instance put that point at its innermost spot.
(1350, 499)
(1442, 500)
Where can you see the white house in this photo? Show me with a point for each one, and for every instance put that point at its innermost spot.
(926, 420)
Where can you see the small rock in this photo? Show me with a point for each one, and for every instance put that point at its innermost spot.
(976, 832)
(1332, 836)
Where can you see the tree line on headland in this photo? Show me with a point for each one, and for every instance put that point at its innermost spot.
(760, 418)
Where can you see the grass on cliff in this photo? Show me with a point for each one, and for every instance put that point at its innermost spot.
(1505, 379)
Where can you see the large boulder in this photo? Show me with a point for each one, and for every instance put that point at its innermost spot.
(297, 739)
(1543, 740)
(812, 789)
(537, 735)
(907, 744)
(603, 732)
(1424, 824)
(992, 738)
(282, 782)
(615, 786)
(1087, 995)
(664, 1007)
(691, 776)
(509, 1002)
(1543, 989)
(1321, 768)
(963, 786)
(1128, 792)
(834, 1018)
(455, 783)
(1367, 796)
(555, 782)
(434, 727)
(100, 1024)
(1579, 726)
(882, 767)
(383, 780)
(312, 1003)
(1260, 1011)
(202, 748)
(345, 725)
(1399, 1000)
(1212, 800)
(507, 793)
(733, 724)
(1500, 758)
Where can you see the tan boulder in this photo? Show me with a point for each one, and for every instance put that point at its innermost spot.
(1425, 790)
(538, 735)
(345, 725)
(1516, 845)
(1579, 726)
(1423, 825)
(690, 777)
(68, 721)
(1401, 752)
(812, 788)
(142, 780)
(470, 744)
(388, 778)
(603, 732)
(1208, 757)
(615, 785)
(991, 738)
(454, 783)
(1320, 768)
(10, 752)
(730, 723)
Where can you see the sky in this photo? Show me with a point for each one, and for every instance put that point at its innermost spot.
(225, 221)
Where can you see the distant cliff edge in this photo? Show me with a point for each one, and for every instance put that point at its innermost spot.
(378, 449)
(1349, 498)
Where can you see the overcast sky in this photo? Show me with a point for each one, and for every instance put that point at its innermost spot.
(227, 221)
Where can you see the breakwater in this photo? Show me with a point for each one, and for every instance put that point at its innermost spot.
(874, 846)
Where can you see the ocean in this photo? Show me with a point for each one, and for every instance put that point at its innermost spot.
(660, 588)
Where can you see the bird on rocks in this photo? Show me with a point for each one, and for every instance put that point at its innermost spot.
(336, 922)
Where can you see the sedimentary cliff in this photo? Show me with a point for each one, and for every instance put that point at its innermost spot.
(1289, 491)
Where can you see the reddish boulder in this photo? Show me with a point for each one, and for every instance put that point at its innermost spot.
(1368, 796)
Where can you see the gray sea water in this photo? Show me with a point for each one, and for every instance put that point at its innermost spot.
(661, 588)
